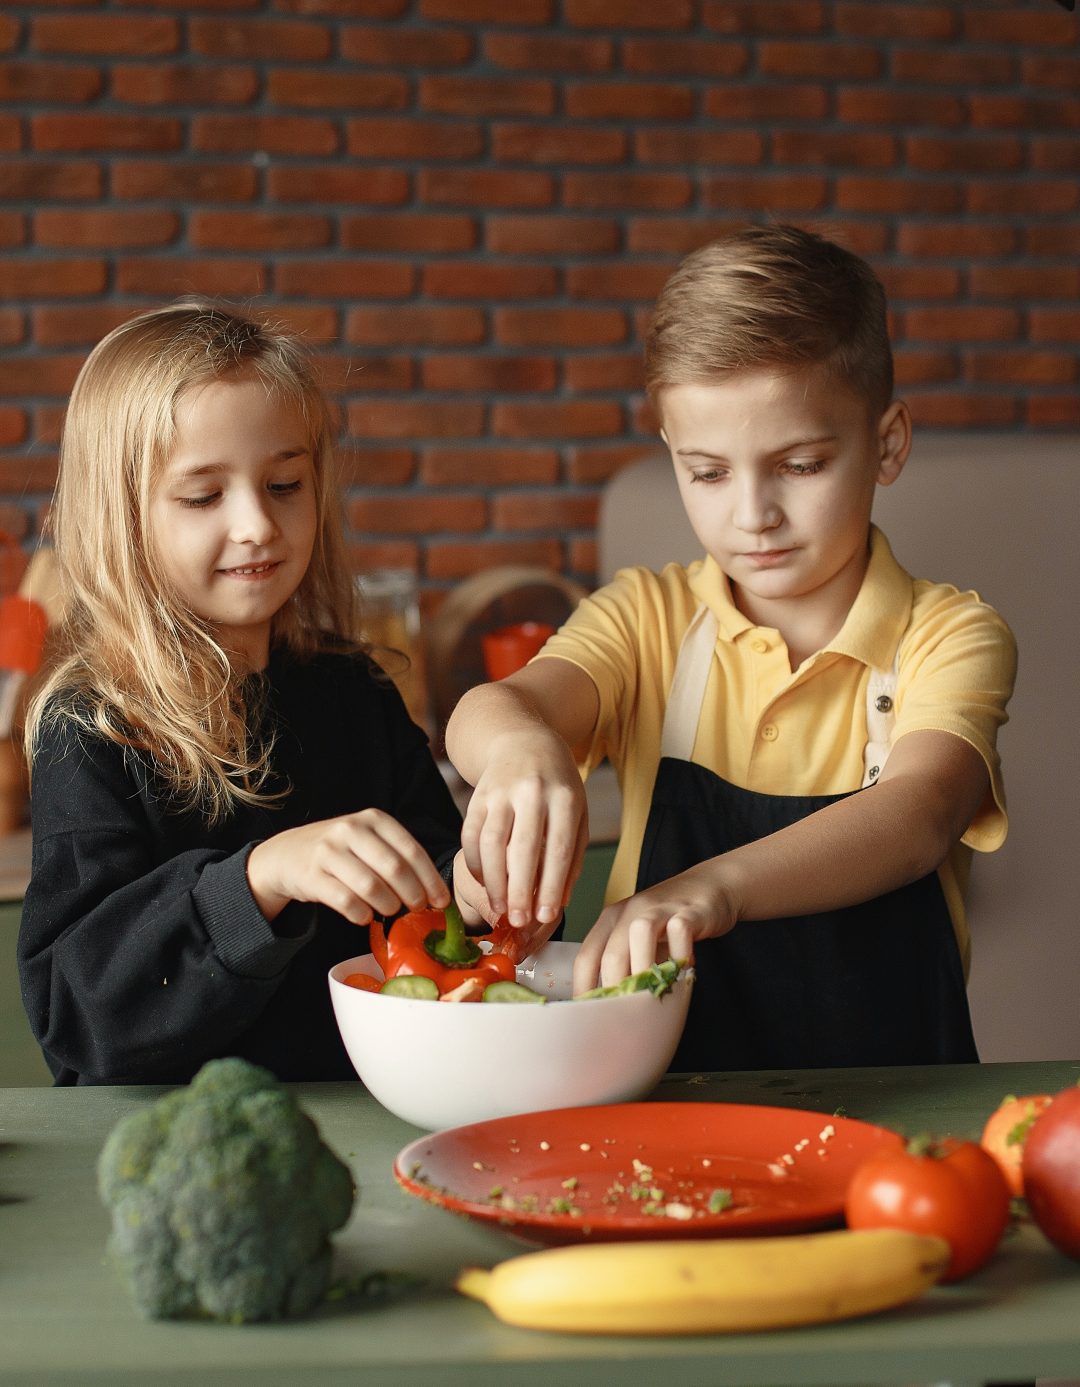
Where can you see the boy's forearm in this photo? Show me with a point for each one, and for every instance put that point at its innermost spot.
(551, 696)
(839, 856)
(859, 847)
(483, 715)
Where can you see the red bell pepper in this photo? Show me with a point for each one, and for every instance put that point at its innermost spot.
(377, 943)
(433, 945)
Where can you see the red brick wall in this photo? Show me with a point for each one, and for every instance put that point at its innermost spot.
(469, 204)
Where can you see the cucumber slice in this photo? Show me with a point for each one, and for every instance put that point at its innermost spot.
(511, 992)
(413, 985)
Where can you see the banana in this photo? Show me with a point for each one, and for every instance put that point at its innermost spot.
(698, 1286)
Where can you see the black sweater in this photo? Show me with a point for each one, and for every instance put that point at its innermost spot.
(142, 952)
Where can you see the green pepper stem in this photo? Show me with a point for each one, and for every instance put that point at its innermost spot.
(451, 946)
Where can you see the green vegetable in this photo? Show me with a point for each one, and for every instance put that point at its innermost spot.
(511, 992)
(658, 979)
(451, 946)
(413, 985)
(223, 1196)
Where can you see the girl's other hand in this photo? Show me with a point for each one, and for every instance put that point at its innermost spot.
(360, 865)
(527, 827)
(662, 922)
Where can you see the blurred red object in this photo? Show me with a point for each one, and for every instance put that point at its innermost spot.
(23, 627)
(512, 647)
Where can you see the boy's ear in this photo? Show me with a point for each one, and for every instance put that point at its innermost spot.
(894, 442)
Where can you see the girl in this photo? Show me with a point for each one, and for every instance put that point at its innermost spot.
(224, 785)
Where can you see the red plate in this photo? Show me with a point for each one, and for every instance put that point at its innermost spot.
(644, 1170)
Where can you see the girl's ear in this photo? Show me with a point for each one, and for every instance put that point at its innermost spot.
(894, 442)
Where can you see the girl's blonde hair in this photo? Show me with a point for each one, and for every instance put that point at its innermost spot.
(132, 663)
(772, 296)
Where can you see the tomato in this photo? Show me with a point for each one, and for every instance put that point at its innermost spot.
(1006, 1132)
(1052, 1171)
(949, 1189)
(363, 981)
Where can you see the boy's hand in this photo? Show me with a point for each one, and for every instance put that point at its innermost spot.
(526, 827)
(659, 923)
(360, 865)
(474, 905)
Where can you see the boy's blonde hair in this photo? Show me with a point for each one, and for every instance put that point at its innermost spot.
(771, 296)
(133, 663)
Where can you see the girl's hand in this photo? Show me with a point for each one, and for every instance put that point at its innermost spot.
(470, 896)
(527, 827)
(659, 923)
(360, 865)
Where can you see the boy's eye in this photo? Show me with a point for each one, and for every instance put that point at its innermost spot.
(804, 468)
(711, 474)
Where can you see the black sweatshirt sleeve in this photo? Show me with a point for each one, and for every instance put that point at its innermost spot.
(130, 954)
(142, 952)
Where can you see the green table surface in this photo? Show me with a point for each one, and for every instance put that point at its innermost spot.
(64, 1317)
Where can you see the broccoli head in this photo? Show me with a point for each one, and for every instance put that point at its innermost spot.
(223, 1196)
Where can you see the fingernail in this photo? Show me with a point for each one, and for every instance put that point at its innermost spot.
(518, 918)
(547, 914)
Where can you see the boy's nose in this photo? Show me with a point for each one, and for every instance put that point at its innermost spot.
(755, 508)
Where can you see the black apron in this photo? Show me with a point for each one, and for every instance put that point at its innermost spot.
(880, 983)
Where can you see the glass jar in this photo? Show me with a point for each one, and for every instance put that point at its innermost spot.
(390, 622)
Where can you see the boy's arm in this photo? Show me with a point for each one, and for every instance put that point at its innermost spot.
(526, 827)
(858, 848)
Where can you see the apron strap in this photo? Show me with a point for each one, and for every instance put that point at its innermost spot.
(687, 694)
(683, 710)
(880, 716)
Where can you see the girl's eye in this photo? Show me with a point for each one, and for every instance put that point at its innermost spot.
(198, 502)
(285, 488)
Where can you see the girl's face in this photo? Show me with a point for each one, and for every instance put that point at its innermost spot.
(232, 516)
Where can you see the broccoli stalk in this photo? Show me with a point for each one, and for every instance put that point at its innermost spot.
(223, 1196)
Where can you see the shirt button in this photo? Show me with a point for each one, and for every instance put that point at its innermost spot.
(759, 645)
(770, 732)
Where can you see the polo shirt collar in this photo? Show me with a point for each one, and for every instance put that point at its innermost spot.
(871, 632)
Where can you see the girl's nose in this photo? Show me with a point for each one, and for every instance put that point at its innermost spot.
(251, 520)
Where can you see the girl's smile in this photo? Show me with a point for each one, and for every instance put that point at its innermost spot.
(233, 515)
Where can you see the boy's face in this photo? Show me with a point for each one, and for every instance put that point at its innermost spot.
(233, 516)
(777, 470)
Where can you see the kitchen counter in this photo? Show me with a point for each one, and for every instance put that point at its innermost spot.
(64, 1317)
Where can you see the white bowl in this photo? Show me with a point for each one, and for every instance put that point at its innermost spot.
(443, 1064)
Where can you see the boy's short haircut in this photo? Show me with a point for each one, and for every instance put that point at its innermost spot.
(766, 297)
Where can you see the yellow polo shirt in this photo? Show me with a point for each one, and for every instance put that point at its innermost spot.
(768, 728)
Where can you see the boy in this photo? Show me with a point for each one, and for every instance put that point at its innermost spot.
(746, 699)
